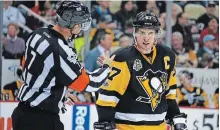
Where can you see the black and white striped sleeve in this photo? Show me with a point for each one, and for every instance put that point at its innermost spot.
(72, 74)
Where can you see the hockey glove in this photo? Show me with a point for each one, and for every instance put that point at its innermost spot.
(104, 126)
(179, 122)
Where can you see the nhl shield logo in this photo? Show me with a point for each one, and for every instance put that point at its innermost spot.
(137, 65)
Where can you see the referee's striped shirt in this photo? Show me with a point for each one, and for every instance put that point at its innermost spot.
(50, 67)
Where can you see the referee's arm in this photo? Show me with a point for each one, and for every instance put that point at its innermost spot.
(72, 74)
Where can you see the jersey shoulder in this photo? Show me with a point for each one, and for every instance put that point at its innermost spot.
(44, 32)
(124, 54)
(41, 33)
(43, 37)
(165, 50)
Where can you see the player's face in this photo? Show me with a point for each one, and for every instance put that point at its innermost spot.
(145, 39)
(184, 80)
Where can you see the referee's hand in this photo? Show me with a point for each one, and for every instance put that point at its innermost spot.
(71, 99)
(106, 59)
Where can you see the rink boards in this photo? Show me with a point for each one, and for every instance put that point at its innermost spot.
(82, 117)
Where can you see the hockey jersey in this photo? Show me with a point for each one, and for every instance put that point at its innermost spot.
(138, 87)
(192, 96)
(10, 91)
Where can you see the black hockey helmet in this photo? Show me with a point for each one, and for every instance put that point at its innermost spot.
(145, 19)
(71, 13)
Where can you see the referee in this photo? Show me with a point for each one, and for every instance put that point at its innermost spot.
(50, 66)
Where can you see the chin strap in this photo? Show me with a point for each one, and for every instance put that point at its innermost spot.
(73, 36)
(70, 39)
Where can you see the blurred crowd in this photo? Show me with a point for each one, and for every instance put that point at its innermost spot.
(195, 29)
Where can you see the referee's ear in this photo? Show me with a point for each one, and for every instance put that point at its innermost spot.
(76, 29)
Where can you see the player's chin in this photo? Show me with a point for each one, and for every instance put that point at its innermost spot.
(146, 46)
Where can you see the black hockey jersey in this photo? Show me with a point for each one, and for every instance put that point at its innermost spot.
(192, 96)
(138, 87)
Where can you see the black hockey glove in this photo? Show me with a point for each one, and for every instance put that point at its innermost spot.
(104, 126)
(179, 122)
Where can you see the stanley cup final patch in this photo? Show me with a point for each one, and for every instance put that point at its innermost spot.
(137, 65)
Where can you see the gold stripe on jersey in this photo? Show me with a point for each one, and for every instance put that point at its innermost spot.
(141, 127)
(205, 96)
(117, 82)
(171, 93)
(171, 96)
(108, 100)
(172, 79)
(216, 100)
(106, 103)
(171, 85)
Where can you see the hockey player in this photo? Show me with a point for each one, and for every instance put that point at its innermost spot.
(188, 94)
(50, 66)
(140, 92)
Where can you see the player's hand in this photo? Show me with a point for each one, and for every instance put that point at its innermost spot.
(105, 60)
(179, 122)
